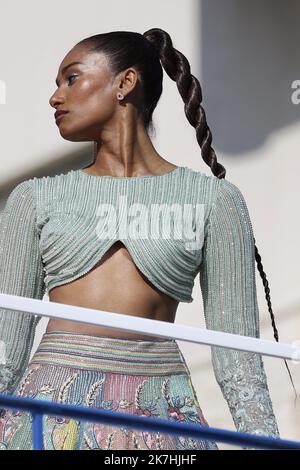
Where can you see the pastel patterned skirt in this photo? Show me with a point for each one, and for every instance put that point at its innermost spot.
(146, 378)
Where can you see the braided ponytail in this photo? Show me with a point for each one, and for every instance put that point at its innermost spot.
(178, 69)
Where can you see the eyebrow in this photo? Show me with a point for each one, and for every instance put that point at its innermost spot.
(66, 67)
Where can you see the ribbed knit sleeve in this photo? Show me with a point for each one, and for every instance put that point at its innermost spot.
(228, 286)
(21, 273)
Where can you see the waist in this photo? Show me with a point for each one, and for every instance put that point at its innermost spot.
(115, 355)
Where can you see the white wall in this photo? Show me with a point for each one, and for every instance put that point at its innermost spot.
(245, 56)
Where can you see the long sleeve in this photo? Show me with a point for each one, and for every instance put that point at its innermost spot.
(228, 286)
(21, 273)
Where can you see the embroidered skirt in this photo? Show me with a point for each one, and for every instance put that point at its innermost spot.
(146, 378)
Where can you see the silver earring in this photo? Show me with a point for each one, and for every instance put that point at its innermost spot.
(120, 96)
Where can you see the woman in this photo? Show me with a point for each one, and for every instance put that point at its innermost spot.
(54, 239)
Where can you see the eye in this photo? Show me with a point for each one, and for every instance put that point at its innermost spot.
(71, 76)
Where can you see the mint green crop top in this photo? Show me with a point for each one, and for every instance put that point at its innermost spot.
(55, 229)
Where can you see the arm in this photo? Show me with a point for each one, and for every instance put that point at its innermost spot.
(227, 281)
(21, 273)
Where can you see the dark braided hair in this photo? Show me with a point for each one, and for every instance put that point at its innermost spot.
(147, 52)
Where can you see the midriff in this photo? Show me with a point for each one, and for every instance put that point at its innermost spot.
(114, 284)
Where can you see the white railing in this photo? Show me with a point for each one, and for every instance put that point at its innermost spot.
(151, 327)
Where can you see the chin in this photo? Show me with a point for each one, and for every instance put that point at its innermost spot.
(70, 135)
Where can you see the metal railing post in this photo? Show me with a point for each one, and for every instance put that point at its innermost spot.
(37, 431)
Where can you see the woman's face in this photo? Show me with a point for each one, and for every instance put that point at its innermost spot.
(87, 92)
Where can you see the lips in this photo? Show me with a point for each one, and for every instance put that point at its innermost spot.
(60, 116)
(60, 113)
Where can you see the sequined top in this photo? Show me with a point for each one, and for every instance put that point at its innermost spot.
(55, 229)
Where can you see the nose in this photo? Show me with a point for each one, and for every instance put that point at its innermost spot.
(55, 100)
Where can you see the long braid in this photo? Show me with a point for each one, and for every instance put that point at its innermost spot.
(178, 69)
(268, 298)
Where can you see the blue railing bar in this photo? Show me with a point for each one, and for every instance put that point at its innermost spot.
(37, 431)
(145, 423)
